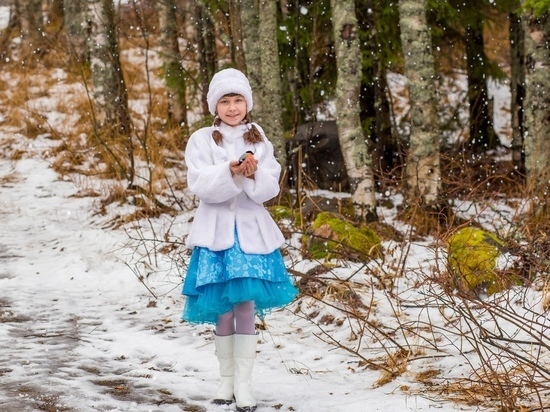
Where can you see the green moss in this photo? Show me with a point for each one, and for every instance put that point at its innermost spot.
(279, 212)
(335, 237)
(472, 259)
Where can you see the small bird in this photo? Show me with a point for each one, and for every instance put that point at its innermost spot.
(245, 155)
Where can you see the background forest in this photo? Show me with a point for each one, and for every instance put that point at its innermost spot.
(371, 106)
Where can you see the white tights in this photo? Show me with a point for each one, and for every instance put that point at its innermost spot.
(240, 320)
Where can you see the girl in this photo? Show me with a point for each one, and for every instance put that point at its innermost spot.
(236, 270)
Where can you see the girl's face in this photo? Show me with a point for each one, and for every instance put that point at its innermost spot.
(231, 109)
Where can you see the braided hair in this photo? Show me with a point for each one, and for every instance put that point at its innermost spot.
(252, 135)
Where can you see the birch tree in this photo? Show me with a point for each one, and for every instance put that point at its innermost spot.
(423, 175)
(174, 75)
(250, 26)
(110, 96)
(259, 38)
(348, 84)
(537, 109)
(110, 93)
(272, 121)
(76, 29)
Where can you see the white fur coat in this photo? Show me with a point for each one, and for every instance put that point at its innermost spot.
(228, 202)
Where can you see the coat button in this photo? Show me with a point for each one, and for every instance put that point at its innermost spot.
(232, 206)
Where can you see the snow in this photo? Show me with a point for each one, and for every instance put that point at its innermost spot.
(4, 17)
(79, 331)
(90, 309)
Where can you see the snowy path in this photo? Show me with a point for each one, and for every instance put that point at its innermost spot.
(58, 280)
(78, 332)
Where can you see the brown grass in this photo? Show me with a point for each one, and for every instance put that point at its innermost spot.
(395, 365)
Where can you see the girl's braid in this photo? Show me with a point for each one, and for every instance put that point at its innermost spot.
(216, 134)
(252, 135)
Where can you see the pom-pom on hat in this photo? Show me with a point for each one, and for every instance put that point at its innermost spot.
(225, 82)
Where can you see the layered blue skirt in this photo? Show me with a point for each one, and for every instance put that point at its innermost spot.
(218, 281)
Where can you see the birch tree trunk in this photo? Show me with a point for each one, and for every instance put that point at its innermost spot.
(110, 96)
(423, 174)
(259, 38)
(272, 117)
(350, 134)
(250, 24)
(76, 29)
(174, 75)
(537, 108)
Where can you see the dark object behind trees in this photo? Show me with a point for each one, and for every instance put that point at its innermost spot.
(314, 155)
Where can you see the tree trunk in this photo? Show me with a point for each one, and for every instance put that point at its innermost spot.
(423, 175)
(517, 86)
(272, 119)
(174, 75)
(109, 89)
(482, 135)
(235, 26)
(205, 50)
(32, 26)
(55, 11)
(250, 21)
(537, 111)
(375, 105)
(110, 92)
(350, 134)
(77, 27)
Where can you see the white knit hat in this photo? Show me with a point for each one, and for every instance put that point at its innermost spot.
(225, 82)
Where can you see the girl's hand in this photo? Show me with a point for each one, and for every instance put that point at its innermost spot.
(246, 168)
(235, 167)
(251, 165)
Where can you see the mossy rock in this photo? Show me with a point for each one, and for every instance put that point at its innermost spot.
(335, 237)
(279, 212)
(472, 257)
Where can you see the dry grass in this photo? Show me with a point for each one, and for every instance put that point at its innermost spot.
(82, 148)
(427, 376)
(395, 365)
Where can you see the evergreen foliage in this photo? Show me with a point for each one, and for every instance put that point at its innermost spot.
(307, 60)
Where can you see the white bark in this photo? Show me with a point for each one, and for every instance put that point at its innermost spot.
(352, 140)
(109, 89)
(537, 108)
(423, 172)
(76, 29)
(271, 78)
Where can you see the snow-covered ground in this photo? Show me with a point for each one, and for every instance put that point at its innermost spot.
(90, 311)
(79, 332)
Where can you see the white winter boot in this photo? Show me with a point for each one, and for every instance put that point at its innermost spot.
(245, 353)
(224, 352)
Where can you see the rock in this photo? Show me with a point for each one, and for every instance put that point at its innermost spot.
(315, 152)
(335, 237)
(472, 261)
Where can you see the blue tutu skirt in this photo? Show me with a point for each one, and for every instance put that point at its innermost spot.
(218, 281)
